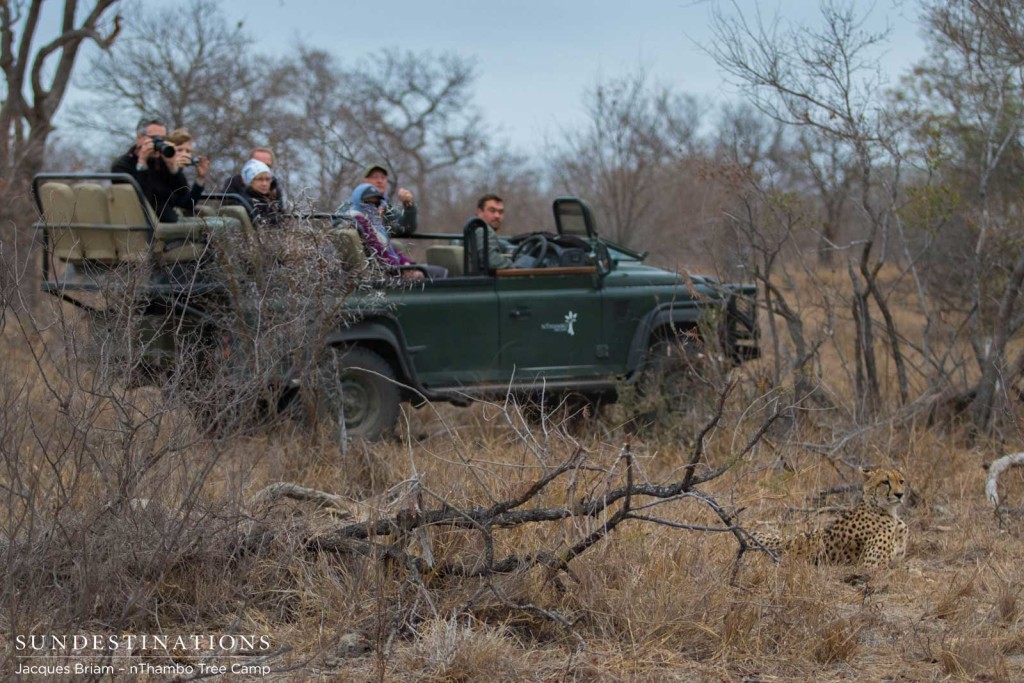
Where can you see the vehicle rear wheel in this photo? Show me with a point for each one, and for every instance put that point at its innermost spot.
(357, 386)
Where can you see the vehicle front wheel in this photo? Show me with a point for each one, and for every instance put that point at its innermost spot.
(355, 387)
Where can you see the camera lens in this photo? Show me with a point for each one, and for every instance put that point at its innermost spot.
(165, 148)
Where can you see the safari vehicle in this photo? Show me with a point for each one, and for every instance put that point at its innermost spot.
(588, 319)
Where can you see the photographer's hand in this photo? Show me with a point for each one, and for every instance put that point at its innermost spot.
(144, 150)
(183, 156)
(405, 197)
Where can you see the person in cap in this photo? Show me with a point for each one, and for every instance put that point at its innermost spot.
(365, 205)
(400, 221)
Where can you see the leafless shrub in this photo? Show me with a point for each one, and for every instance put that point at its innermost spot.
(458, 650)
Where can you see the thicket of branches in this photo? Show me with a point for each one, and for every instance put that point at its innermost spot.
(880, 225)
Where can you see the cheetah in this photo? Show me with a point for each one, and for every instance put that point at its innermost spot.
(870, 535)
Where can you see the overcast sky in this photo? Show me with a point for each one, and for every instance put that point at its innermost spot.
(535, 58)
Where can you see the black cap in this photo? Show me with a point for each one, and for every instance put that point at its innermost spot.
(371, 193)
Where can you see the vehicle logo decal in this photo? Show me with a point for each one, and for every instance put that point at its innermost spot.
(567, 326)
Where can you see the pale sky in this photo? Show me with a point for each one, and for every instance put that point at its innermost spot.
(535, 58)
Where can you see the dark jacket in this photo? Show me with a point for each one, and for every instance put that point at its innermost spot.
(266, 208)
(400, 222)
(163, 190)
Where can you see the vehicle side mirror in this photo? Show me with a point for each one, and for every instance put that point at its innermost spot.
(603, 258)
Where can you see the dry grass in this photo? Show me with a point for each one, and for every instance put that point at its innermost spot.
(651, 603)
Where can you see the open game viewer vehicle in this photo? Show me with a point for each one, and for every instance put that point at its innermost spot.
(592, 318)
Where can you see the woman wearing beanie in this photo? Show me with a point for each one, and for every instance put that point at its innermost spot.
(266, 204)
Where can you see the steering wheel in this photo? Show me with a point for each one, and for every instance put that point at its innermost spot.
(535, 246)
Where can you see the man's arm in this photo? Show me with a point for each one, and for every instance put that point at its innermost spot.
(496, 258)
(400, 222)
(408, 222)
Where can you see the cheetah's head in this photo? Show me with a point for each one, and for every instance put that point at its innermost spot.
(884, 488)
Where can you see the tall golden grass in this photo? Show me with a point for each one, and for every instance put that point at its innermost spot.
(187, 554)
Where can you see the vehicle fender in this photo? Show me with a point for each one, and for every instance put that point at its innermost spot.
(676, 313)
(383, 335)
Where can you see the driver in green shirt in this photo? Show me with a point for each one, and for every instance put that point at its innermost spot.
(491, 209)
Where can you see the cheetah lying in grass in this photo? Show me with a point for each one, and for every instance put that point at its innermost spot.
(870, 535)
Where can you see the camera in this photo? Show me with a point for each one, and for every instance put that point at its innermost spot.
(194, 160)
(165, 148)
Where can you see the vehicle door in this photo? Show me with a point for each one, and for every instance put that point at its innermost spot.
(551, 318)
(451, 330)
(550, 325)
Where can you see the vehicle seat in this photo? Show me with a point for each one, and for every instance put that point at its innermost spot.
(350, 249)
(240, 214)
(96, 243)
(128, 209)
(447, 256)
(58, 204)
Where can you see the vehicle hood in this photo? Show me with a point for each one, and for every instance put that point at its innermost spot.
(638, 274)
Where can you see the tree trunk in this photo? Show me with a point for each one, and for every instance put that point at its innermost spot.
(993, 361)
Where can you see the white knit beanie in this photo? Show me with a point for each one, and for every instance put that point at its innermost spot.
(253, 168)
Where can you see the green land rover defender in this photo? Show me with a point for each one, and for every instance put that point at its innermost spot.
(586, 319)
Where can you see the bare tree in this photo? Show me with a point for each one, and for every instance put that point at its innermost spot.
(325, 119)
(204, 77)
(620, 159)
(976, 76)
(415, 112)
(825, 81)
(515, 178)
(37, 80)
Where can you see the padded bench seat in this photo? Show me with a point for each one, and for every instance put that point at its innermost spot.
(93, 224)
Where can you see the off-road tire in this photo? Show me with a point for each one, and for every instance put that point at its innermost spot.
(358, 383)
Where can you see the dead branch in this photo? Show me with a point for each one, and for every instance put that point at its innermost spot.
(271, 494)
(997, 468)
(612, 506)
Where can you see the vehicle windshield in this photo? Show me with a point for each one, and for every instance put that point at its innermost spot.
(619, 253)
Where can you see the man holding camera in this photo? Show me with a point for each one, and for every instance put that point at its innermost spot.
(153, 162)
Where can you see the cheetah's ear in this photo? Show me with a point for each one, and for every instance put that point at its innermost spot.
(868, 469)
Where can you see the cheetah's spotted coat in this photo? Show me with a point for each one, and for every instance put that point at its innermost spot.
(870, 534)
